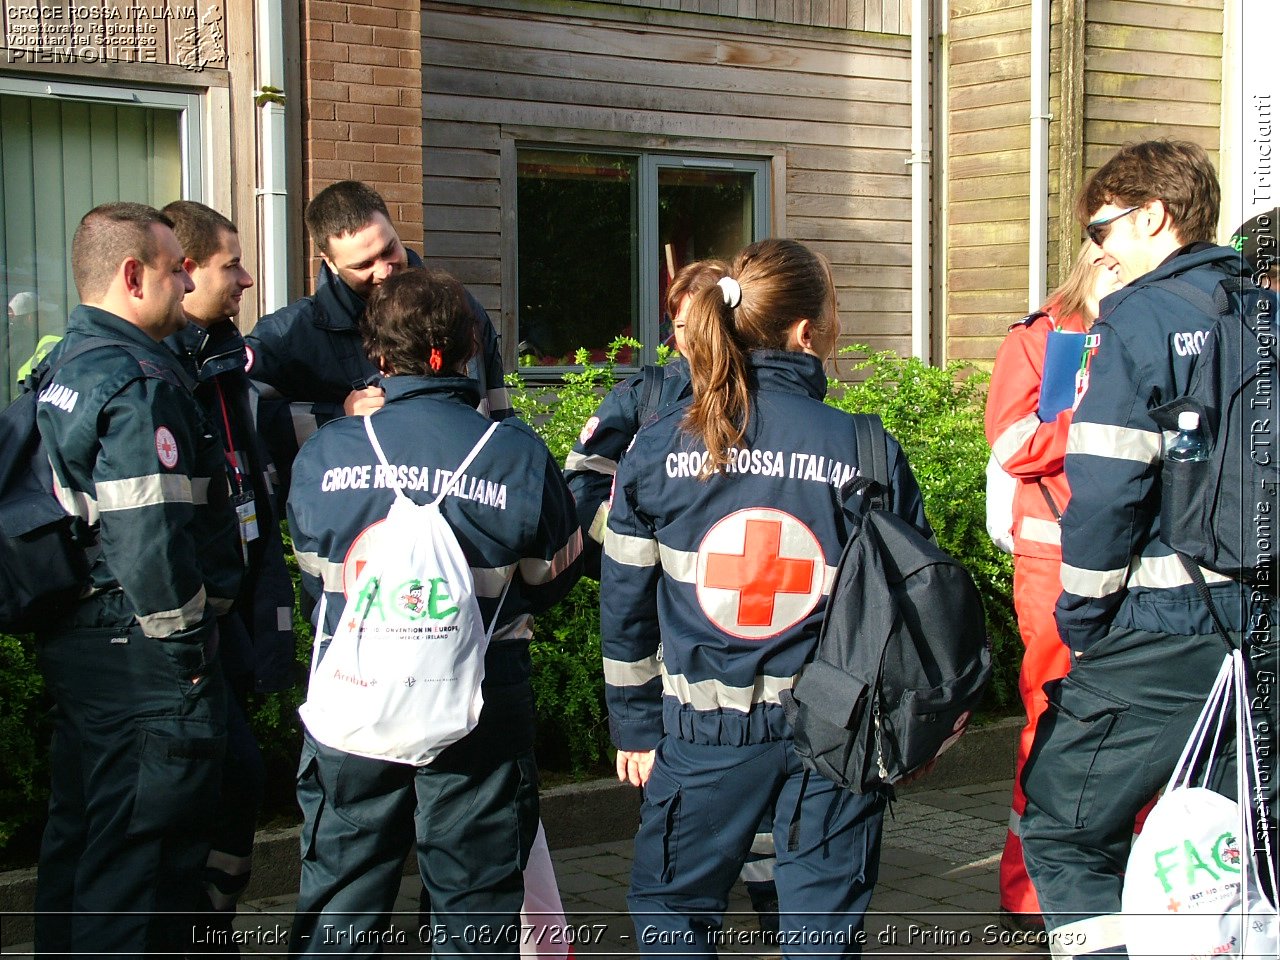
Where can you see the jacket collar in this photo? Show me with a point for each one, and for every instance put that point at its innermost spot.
(1195, 255)
(208, 353)
(788, 371)
(95, 322)
(405, 386)
(340, 306)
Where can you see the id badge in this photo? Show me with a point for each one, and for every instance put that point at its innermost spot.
(247, 514)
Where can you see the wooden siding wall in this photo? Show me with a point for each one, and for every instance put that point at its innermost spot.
(987, 190)
(1153, 68)
(874, 16)
(1148, 69)
(831, 106)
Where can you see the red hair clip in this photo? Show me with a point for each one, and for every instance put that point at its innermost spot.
(437, 361)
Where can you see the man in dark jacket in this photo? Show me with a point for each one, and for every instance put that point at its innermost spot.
(1143, 645)
(140, 723)
(309, 353)
(257, 646)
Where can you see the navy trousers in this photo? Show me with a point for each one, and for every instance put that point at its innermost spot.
(471, 815)
(136, 762)
(702, 807)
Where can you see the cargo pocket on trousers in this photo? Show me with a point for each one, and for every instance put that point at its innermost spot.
(1063, 772)
(310, 797)
(179, 777)
(661, 822)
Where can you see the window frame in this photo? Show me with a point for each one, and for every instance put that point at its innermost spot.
(189, 106)
(648, 164)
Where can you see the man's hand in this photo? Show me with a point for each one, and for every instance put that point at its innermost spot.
(635, 765)
(361, 403)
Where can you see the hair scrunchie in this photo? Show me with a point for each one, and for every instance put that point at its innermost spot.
(732, 291)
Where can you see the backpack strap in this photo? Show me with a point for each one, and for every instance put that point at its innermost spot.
(652, 376)
(873, 458)
(466, 462)
(1048, 499)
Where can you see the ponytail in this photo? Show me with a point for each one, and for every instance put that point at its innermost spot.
(771, 285)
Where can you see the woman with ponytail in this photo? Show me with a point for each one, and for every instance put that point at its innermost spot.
(724, 532)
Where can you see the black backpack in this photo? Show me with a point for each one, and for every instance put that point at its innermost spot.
(43, 566)
(902, 659)
(1221, 512)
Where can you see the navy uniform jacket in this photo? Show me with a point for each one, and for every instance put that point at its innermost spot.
(256, 638)
(591, 465)
(716, 589)
(310, 354)
(135, 458)
(1115, 570)
(512, 514)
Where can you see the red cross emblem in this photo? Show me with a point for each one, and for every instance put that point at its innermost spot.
(166, 447)
(358, 556)
(759, 572)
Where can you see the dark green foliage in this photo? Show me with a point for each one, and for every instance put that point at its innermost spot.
(24, 774)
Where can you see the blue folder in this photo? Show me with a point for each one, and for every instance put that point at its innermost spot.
(1064, 358)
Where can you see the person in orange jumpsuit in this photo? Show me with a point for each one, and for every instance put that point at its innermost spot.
(1032, 451)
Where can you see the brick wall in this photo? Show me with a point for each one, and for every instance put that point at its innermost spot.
(362, 104)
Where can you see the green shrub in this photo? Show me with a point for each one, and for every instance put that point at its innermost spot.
(24, 774)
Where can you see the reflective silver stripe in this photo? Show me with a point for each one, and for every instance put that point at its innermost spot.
(536, 571)
(600, 523)
(490, 581)
(1118, 443)
(200, 490)
(621, 673)
(681, 565)
(1041, 531)
(1014, 436)
(304, 422)
(591, 462)
(633, 551)
(221, 605)
(1090, 935)
(1167, 572)
(762, 844)
(1015, 822)
(232, 866)
(166, 622)
(134, 492)
(76, 503)
(521, 628)
(714, 695)
(284, 618)
(330, 574)
(498, 399)
(757, 871)
(1092, 583)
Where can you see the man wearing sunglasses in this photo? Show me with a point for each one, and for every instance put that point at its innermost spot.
(1143, 645)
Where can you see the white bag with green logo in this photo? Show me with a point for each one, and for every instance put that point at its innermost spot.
(1191, 885)
(400, 678)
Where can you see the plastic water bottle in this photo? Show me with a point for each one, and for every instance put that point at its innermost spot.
(1188, 446)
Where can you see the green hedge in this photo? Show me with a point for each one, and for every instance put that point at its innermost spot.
(936, 413)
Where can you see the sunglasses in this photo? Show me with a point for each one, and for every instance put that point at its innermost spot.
(1098, 230)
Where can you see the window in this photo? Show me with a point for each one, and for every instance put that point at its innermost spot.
(601, 234)
(64, 149)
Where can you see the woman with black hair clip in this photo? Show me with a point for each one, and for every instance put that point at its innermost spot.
(723, 538)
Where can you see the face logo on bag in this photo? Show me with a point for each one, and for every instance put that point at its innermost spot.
(1228, 852)
(416, 600)
(166, 447)
(759, 572)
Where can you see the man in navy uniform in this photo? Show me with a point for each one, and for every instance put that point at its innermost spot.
(257, 645)
(133, 670)
(309, 353)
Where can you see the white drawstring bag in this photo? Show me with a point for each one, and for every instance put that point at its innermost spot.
(400, 679)
(1183, 885)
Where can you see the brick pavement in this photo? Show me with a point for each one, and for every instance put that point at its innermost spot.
(937, 894)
